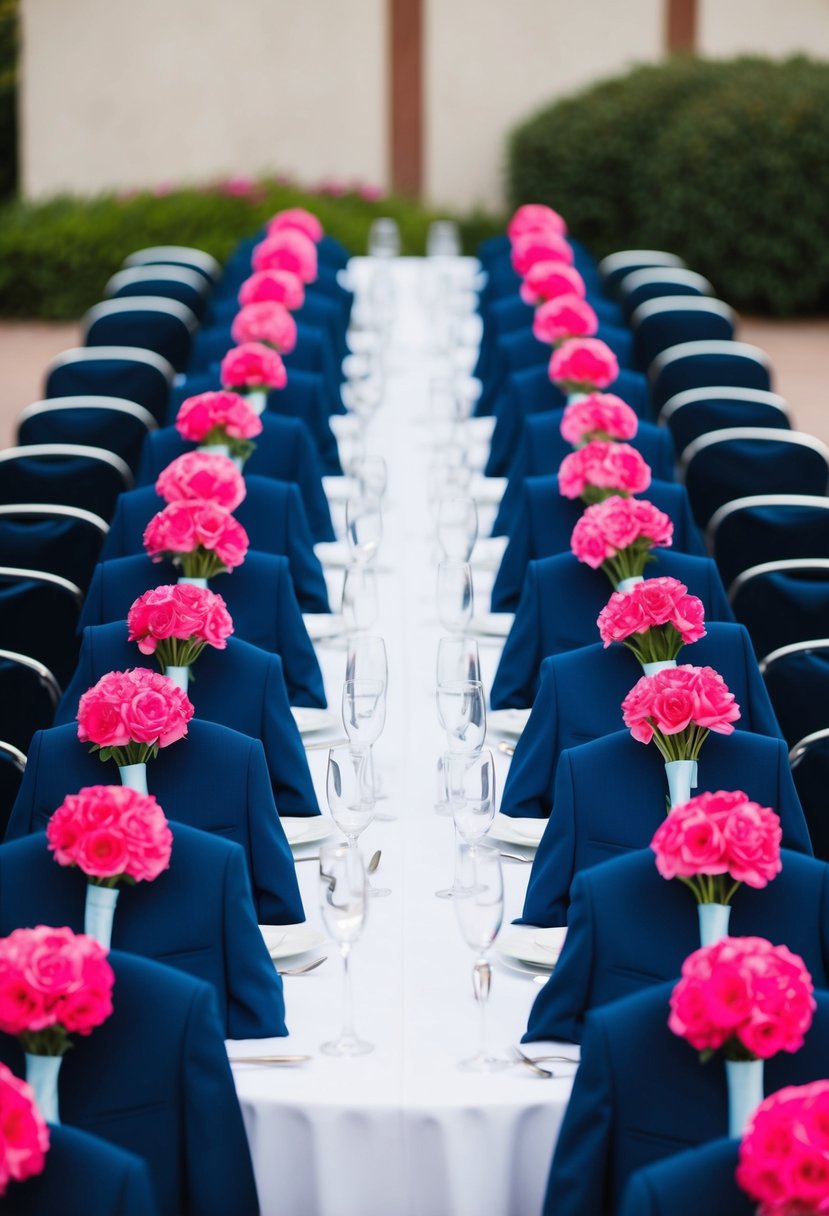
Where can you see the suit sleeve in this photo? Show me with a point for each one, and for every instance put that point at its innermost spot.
(306, 571)
(638, 1197)
(506, 591)
(792, 820)
(255, 1002)
(81, 680)
(310, 485)
(115, 540)
(287, 762)
(519, 469)
(561, 1005)
(275, 889)
(548, 890)
(528, 792)
(299, 662)
(92, 612)
(515, 680)
(693, 542)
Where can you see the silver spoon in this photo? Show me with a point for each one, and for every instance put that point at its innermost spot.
(534, 1068)
(516, 857)
(304, 969)
(269, 1059)
(374, 862)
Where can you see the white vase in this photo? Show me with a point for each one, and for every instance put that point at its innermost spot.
(745, 1093)
(713, 922)
(682, 778)
(184, 581)
(99, 912)
(257, 400)
(42, 1074)
(574, 398)
(214, 449)
(650, 669)
(238, 463)
(179, 675)
(625, 584)
(135, 776)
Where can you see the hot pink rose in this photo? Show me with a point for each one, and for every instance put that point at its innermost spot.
(24, 1134)
(217, 417)
(627, 529)
(598, 416)
(601, 469)
(282, 286)
(535, 247)
(202, 536)
(136, 842)
(564, 317)
(202, 475)
(654, 618)
(267, 322)
(784, 1154)
(535, 217)
(154, 711)
(52, 980)
(301, 220)
(547, 280)
(253, 366)
(583, 364)
(287, 250)
(667, 708)
(176, 621)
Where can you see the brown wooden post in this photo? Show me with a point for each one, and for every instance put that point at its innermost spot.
(681, 26)
(406, 95)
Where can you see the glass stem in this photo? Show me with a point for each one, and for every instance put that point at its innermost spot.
(482, 992)
(348, 1002)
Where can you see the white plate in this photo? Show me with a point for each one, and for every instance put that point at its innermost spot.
(285, 940)
(489, 490)
(306, 829)
(528, 944)
(335, 554)
(488, 552)
(310, 720)
(338, 489)
(492, 624)
(527, 832)
(507, 721)
(321, 625)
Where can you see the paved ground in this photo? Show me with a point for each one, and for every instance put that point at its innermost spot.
(799, 353)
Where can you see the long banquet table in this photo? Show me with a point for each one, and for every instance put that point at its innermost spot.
(403, 1132)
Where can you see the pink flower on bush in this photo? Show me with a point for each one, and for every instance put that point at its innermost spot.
(128, 715)
(253, 366)
(677, 707)
(287, 250)
(53, 983)
(111, 832)
(201, 537)
(535, 247)
(535, 217)
(176, 622)
(281, 286)
(784, 1154)
(745, 995)
(581, 365)
(267, 322)
(202, 475)
(548, 280)
(299, 219)
(24, 1133)
(618, 535)
(654, 619)
(598, 416)
(601, 469)
(564, 317)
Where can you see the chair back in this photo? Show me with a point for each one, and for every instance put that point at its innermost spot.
(669, 320)
(655, 281)
(47, 536)
(702, 364)
(189, 287)
(70, 474)
(176, 255)
(782, 602)
(130, 373)
(809, 759)
(616, 266)
(696, 411)
(29, 696)
(105, 422)
(39, 615)
(12, 768)
(767, 527)
(797, 679)
(149, 322)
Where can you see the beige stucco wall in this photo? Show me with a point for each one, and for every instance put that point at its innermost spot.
(120, 93)
(764, 27)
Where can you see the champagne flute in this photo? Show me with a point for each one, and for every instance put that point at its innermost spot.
(366, 659)
(363, 711)
(364, 528)
(350, 792)
(471, 791)
(458, 660)
(360, 605)
(344, 905)
(457, 526)
(479, 905)
(462, 714)
(455, 600)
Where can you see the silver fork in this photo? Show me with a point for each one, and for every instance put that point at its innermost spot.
(534, 1068)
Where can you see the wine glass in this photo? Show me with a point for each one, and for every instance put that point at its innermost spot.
(344, 905)
(364, 528)
(366, 659)
(471, 792)
(479, 905)
(458, 660)
(364, 711)
(360, 605)
(457, 526)
(455, 599)
(462, 714)
(350, 791)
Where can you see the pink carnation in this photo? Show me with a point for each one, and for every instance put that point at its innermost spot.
(52, 980)
(266, 322)
(535, 247)
(176, 622)
(24, 1133)
(287, 250)
(301, 220)
(547, 280)
(601, 469)
(131, 714)
(677, 707)
(598, 416)
(618, 534)
(535, 217)
(564, 317)
(719, 833)
(281, 286)
(580, 365)
(111, 832)
(202, 537)
(654, 618)
(743, 994)
(217, 417)
(784, 1154)
(202, 475)
(253, 366)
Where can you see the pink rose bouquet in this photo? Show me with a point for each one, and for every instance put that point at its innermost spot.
(581, 365)
(24, 1133)
(745, 995)
(267, 322)
(654, 619)
(301, 220)
(784, 1154)
(281, 286)
(176, 622)
(547, 280)
(112, 833)
(602, 469)
(677, 707)
(213, 478)
(618, 535)
(128, 715)
(564, 317)
(535, 247)
(53, 983)
(535, 217)
(598, 416)
(287, 250)
(716, 841)
(253, 367)
(219, 418)
(201, 537)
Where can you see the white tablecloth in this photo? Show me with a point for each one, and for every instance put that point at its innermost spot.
(403, 1132)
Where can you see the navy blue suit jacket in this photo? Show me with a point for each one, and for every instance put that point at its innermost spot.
(314, 352)
(641, 1094)
(259, 595)
(559, 606)
(610, 798)
(699, 1180)
(83, 1174)
(544, 522)
(241, 687)
(628, 928)
(214, 779)
(216, 940)
(580, 695)
(155, 1080)
(271, 513)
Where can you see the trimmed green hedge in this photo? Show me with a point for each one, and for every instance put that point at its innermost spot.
(9, 39)
(722, 162)
(56, 257)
